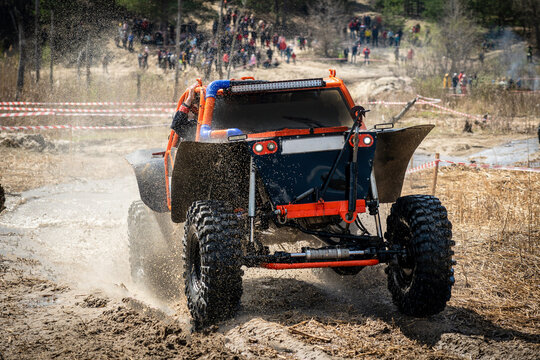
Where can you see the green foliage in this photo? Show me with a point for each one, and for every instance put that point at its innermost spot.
(392, 11)
(165, 9)
(390, 7)
(434, 9)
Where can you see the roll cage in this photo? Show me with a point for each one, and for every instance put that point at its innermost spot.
(206, 97)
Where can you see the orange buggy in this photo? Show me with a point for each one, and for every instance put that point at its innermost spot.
(272, 160)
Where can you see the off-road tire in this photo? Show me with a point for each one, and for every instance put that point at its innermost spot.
(153, 263)
(212, 255)
(421, 282)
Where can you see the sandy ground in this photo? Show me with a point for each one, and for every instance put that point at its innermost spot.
(66, 290)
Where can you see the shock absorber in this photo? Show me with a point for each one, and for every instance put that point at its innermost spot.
(251, 201)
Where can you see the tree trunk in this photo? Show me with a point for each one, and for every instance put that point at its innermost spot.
(164, 17)
(51, 45)
(177, 69)
(37, 52)
(283, 16)
(276, 9)
(88, 63)
(79, 62)
(535, 23)
(235, 31)
(18, 23)
(218, 40)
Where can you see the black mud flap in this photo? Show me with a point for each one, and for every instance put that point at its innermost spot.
(394, 150)
(204, 171)
(150, 173)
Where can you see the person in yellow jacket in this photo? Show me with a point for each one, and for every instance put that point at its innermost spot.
(446, 81)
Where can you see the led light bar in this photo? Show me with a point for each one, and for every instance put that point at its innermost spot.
(278, 85)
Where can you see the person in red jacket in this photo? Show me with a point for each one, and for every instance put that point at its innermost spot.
(366, 53)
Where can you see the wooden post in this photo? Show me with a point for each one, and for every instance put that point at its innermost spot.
(435, 173)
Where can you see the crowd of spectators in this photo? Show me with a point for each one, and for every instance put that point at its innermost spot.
(365, 33)
(243, 41)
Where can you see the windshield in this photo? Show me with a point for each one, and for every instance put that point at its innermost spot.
(262, 112)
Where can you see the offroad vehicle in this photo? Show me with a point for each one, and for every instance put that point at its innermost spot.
(274, 159)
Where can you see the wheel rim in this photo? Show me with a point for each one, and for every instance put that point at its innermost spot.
(405, 263)
(194, 262)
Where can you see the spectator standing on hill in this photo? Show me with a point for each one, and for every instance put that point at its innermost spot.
(354, 52)
(131, 37)
(105, 62)
(269, 53)
(530, 54)
(352, 28)
(368, 35)
(455, 81)
(375, 36)
(252, 61)
(288, 53)
(446, 81)
(463, 84)
(258, 56)
(293, 58)
(367, 21)
(366, 53)
(399, 37)
(275, 40)
(346, 53)
(390, 38)
(282, 47)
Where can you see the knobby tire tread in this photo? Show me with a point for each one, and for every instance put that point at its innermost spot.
(219, 240)
(421, 223)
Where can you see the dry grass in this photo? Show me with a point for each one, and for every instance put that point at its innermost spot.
(375, 339)
(496, 226)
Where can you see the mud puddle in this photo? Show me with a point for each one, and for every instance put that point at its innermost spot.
(507, 154)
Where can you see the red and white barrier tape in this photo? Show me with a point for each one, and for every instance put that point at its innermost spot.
(37, 127)
(496, 167)
(432, 164)
(39, 113)
(13, 108)
(428, 99)
(59, 127)
(112, 115)
(476, 117)
(49, 113)
(424, 166)
(106, 103)
(387, 103)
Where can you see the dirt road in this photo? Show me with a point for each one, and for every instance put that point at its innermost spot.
(66, 292)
